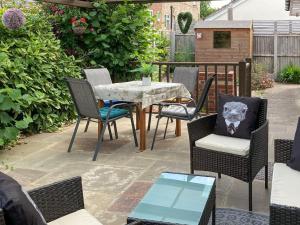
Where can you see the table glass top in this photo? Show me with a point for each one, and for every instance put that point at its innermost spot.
(175, 198)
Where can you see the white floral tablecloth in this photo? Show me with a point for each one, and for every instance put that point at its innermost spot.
(134, 91)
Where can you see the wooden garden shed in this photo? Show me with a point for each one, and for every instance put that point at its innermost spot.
(223, 41)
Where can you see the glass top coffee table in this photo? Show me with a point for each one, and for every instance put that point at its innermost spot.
(177, 198)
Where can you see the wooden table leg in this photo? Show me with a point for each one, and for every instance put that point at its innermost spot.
(178, 122)
(137, 116)
(142, 123)
(100, 125)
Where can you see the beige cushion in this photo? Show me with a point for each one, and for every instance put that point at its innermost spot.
(80, 217)
(226, 144)
(285, 186)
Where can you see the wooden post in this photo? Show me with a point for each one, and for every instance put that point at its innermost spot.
(248, 89)
(178, 122)
(173, 45)
(242, 78)
(142, 122)
(275, 49)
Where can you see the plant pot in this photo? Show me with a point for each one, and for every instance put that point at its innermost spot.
(79, 30)
(146, 81)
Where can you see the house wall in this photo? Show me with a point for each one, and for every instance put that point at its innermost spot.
(162, 9)
(241, 46)
(256, 10)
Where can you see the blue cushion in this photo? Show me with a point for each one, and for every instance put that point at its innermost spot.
(116, 112)
(108, 103)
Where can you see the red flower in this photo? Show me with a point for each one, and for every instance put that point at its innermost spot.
(73, 19)
(83, 20)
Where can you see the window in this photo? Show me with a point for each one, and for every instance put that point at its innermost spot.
(222, 39)
(167, 21)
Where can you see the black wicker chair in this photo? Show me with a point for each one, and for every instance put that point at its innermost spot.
(181, 111)
(244, 168)
(86, 106)
(280, 214)
(56, 200)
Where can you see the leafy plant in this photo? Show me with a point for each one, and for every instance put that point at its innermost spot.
(184, 56)
(33, 93)
(206, 9)
(290, 74)
(145, 70)
(116, 36)
(184, 21)
(260, 78)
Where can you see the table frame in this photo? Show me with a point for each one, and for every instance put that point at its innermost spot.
(209, 210)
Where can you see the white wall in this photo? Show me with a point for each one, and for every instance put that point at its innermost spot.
(257, 10)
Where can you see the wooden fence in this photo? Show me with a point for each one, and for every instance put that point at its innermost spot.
(275, 44)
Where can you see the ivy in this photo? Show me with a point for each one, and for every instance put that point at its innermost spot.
(184, 21)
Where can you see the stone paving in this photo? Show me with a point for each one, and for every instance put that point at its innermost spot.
(121, 175)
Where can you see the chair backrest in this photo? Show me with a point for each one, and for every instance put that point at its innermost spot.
(187, 76)
(204, 94)
(83, 98)
(99, 76)
(262, 113)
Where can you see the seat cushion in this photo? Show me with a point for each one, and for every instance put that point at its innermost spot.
(18, 207)
(80, 217)
(285, 186)
(116, 112)
(237, 116)
(174, 110)
(236, 146)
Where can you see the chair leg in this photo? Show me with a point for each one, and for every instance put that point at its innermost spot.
(250, 196)
(74, 134)
(154, 136)
(266, 176)
(219, 175)
(133, 129)
(166, 128)
(87, 125)
(116, 129)
(109, 131)
(99, 141)
(150, 117)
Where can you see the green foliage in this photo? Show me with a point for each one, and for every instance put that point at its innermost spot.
(184, 56)
(145, 70)
(206, 9)
(33, 94)
(184, 21)
(290, 74)
(260, 78)
(116, 36)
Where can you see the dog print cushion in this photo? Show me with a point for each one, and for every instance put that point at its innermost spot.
(294, 161)
(236, 116)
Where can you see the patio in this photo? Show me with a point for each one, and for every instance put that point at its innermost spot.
(121, 175)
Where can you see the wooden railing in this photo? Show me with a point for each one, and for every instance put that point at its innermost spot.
(237, 74)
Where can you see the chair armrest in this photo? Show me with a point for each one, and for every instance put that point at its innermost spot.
(59, 199)
(2, 220)
(283, 150)
(201, 127)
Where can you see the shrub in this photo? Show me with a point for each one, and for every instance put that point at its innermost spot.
(290, 74)
(261, 79)
(116, 35)
(33, 93)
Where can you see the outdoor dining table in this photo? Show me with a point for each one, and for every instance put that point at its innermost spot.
(144, 96)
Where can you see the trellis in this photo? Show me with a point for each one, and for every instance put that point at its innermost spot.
(89, 4)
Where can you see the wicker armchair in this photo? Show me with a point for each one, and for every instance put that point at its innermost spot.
(280, 214)
(57, 200)
(244, 168)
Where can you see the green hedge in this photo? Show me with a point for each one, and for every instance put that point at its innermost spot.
(33, 93)
(290, 74)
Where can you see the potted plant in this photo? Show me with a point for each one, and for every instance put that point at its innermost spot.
(145, 70)
(79, 25)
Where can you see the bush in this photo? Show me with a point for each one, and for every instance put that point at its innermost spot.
(290, 74)
(33, 93)
(115, 36)
(261, 79)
